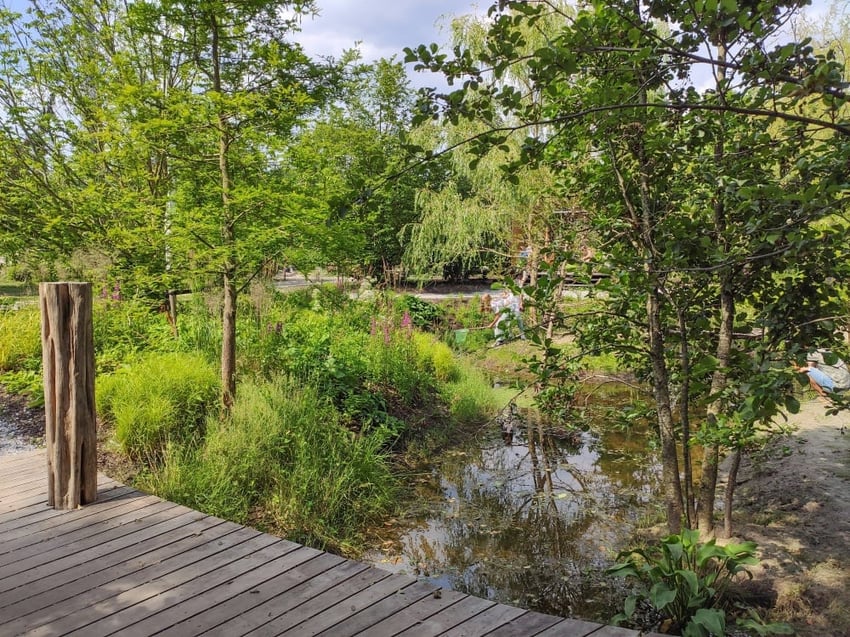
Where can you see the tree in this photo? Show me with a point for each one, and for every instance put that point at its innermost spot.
(350, 161)
(479, 217)
(155, 129)
(714, 197)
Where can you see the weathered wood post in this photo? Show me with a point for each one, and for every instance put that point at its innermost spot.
(67, 347)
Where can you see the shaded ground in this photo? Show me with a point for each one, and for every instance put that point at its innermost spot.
(794, 502)
(21, 427)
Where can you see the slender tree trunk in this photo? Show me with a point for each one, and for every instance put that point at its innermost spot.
(711, 455)
(660, 387)
(730, 493)
(684, 417)
(645, 219)
(228, 237)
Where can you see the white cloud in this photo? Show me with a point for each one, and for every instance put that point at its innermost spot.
(382, 29)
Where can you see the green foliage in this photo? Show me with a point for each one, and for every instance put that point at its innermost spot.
(27, 383)
(283, 455)
(123, 329)
(470, 398)
(685, 580)
(20, 339)
(435, 357)
(424, 314)
(156, 400)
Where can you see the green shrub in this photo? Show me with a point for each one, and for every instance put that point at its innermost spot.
(124, 329)
(435, 357)
(283, 451)
(423, 314)
(157, 399)
(20, 339)
(686, 581)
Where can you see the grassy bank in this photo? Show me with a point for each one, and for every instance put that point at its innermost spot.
(334, 397)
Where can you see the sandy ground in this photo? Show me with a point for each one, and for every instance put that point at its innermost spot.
(794, 502)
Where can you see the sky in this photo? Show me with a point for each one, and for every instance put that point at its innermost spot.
(383, 28)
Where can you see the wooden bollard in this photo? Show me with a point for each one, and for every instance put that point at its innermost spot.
(67, 346)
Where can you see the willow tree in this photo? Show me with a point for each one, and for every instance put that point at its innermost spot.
(484, 215)
(701, 205)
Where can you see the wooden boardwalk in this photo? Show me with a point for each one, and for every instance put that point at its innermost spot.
(131, 564)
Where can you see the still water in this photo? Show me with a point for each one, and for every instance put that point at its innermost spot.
(532, 521)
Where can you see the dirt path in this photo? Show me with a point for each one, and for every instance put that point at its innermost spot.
(795, 504)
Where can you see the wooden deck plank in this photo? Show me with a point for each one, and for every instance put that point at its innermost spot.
(245, 613)
(573, 628)
(14, 483)
(529, 624)
(26, 463)
(320, 592)
(55, 521)
(89, 522)
(171, 590)
(58, 553)
(13, 462)
(416, 613)
(40, 510)
(9, 500)
(134, 565)
(285, 557)
(80, 614)
(366, 619)
(333, 605)
(486, 621)
(447, 619)
(216, 540)
(187, 531)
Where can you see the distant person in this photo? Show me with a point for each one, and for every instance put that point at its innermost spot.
(506, 307)
(826, 377)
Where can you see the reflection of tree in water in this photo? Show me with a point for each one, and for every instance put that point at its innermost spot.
(532, 524)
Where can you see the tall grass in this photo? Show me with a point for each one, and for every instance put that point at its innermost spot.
(160, 399)
(470, 395)
(20, 339)
(282, 460)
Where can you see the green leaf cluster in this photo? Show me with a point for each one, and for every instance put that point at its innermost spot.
(685, 580)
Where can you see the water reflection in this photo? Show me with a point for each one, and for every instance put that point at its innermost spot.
(531, 522)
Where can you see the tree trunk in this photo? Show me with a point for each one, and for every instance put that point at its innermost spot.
(684, 417)
(228, 344)
(672, 485)
(67, 346)
(711, 456)
(228, 239)
(730, 493)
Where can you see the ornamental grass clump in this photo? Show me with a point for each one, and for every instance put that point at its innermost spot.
(20, 339)
(158, 399)
(283, 462)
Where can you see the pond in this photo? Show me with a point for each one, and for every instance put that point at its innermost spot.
(533, 520)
